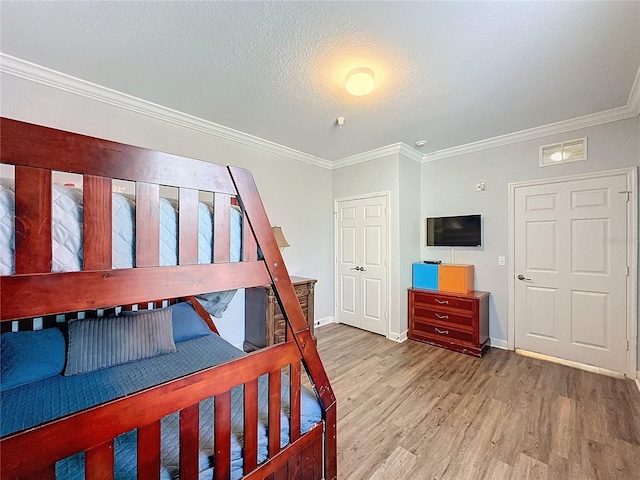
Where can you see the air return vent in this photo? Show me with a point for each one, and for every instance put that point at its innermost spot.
(571, 151)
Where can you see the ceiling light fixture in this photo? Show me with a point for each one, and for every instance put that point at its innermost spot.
(360, 82)
(421, 143)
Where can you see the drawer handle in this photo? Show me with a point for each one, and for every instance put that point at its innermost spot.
(442, 332)
(442, 317)
(442, 302)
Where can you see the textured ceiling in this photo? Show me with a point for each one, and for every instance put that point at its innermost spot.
(450, 73)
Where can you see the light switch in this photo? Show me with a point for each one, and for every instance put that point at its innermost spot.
(502, 260)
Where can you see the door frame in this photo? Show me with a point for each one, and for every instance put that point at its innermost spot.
(632, 255)
(336, 240)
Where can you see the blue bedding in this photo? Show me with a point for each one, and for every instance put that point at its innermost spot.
(50, 398)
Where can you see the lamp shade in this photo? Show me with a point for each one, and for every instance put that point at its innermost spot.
(280, 240)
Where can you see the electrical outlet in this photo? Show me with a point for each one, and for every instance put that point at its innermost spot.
(481, 187)
(502, 261)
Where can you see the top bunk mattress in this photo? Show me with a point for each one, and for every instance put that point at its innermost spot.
(67, 230)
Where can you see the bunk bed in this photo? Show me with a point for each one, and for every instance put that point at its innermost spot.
(80, 398)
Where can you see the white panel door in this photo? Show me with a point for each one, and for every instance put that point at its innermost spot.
(362, 264)
(571, 271)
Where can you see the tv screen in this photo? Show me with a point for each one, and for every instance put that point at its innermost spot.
(461, 231)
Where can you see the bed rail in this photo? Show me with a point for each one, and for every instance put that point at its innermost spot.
(36, 152)
(143, 410)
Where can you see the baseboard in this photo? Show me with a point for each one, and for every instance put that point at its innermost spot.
(499, 343)
(638, 379)
(570, 363)
(324, 321)
(398, 337)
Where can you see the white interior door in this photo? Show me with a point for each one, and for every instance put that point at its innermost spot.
(362, 263)
(571, 270)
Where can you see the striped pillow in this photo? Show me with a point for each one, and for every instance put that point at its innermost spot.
(104, 342)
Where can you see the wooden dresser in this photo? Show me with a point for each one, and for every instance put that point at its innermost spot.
(457, 321)
(264, 323)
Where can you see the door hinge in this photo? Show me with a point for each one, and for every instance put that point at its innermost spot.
(627, 345)
(627, 270)
(626, 192)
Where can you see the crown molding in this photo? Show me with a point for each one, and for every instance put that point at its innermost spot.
(411, 153)
(393, 149)
(630, 110)
(52, 78)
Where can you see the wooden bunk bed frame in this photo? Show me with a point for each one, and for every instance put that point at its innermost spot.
(35, 292)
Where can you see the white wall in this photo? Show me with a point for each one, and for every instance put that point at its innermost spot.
(409, 231)
(296, 195)
(449, 188)
(379, 175)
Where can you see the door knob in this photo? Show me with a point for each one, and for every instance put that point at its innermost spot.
(357, 268)
(362, 269)
(522, 277)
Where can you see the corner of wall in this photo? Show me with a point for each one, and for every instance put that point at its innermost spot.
(499, 343)
(398, 337)
(324, 321)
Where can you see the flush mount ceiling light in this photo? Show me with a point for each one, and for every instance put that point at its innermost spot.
(360, 82)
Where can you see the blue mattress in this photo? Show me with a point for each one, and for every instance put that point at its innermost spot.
(38, 402)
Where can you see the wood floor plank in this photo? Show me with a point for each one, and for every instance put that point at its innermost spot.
(414, 411)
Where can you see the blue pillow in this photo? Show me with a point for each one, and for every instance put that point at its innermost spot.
(187, 324)
(30, 356)
(105, 342)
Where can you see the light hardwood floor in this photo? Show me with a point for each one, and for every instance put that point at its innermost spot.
(413, 411)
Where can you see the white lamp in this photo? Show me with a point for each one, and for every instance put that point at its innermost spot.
(280, 240)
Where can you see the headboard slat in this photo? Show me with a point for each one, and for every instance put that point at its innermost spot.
(33, 220)
(221, 221)
(249, 245)
(97, 223)
(51, 293)
(147, 224)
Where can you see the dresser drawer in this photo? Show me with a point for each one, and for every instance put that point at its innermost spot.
(303, 304)
(442, 300)
(455, 321)
(442, 332)
(301, 290)
(447, 317)
(279, 325)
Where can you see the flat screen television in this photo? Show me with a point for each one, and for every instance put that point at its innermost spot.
(460, 231)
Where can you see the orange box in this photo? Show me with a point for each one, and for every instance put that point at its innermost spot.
(456, 278)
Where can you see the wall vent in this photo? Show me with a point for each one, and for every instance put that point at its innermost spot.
(570, 151)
